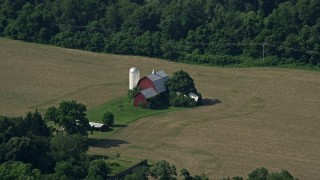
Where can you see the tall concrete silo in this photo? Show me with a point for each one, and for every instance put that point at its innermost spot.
(134, 77)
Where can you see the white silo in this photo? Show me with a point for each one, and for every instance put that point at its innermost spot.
(134, 77)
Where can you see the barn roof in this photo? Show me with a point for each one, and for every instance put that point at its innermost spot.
(148, 93)
(159, 79)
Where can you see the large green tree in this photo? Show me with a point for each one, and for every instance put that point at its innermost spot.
(35, 124)
(65, 146)
(71, 116)
(181, 82)
(180, 85)
(258, 174)
(18, 170)
(98, 170)
(163, 170)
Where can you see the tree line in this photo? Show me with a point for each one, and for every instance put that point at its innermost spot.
(214, 32)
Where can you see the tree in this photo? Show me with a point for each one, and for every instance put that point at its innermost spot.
(25, 140)
(108, 118)
(180, 100)
(133, 92)
(258, 174)
(180, 85)
(97, 170)
(52, 115)
(71, 116)
(181, 82)
(138, 174)
(65, 146)
(18, 170)
(283, 175)
(163, 170)
(69, 170)
(187, 176)
(35, 124)
(11, 127)
(18, 149)
(185, 173)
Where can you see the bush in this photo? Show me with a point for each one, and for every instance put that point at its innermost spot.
(141, 105)
(132, 92)
(160, 101)
(182, 101)
(108, 118)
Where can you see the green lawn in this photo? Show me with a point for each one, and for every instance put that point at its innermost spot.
(124, 113)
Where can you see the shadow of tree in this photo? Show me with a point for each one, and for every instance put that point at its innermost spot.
(119, 125)
(95, 156)
(210, 102)
(105, 143)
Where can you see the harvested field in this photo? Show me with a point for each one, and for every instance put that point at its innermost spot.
(267, 116)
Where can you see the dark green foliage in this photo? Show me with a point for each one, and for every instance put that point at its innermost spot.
(263, 174)
(202, 177)
(179, 86)
(11, 127)
(180, 100)
(138, 174)
(132, 92)
(97, 170)
(258, 174)
(71, 116)
(219, 33)
(52, 115)
(35, 124)
(108, 118)
(181, 82)
(283, 175)
(18, 170)
(163, 170)
(160, 101)
(185, 173)
(237, 178)
(17, 149)
(65, 146)
(187, 176)
(69, 170)
(141, 105)
(27, 149)
(25, 140)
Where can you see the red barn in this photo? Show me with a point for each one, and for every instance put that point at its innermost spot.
(150, 86)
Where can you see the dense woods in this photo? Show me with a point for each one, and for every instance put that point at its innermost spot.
(215, 32)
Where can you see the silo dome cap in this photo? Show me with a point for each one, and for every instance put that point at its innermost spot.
(133, 69)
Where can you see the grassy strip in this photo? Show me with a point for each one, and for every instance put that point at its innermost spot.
(115, 163)
(124, 113)
(118, 165)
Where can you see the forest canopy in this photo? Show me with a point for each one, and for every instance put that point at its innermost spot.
(214, 32)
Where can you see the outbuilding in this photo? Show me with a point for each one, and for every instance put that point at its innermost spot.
(99, 126)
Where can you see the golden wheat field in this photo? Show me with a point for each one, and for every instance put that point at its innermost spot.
(267, 117)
